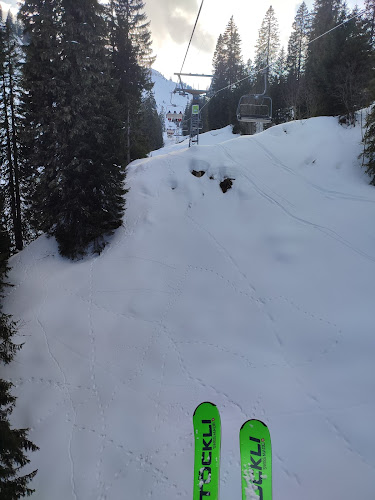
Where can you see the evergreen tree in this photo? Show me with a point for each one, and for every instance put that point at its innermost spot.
(141, 35)
(353, 69)
(78, 161)
(234, 67)
(323, 54)
(370, 20)
(149, 127)
(9, 67)
(162, 118)
(337, 64)
(40, 80)
(228, 68)
(267, 46)
(217, 109)
(252, 72)
(277, 89)
(296, 61)
(369, 146)
(13, 442)
(130, 39)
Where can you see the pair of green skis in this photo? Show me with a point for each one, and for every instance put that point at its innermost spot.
(255, 450)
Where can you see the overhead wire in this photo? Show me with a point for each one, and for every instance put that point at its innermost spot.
(192, 34)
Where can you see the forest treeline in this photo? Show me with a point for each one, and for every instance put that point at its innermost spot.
(76, 107)
(314, 75)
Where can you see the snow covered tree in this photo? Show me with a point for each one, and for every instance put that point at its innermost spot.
(370, 20)
(13, 442)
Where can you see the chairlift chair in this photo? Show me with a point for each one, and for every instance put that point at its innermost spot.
(174, 117)
(254, 108)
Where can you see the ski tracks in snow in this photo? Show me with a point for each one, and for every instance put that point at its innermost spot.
(272, 199)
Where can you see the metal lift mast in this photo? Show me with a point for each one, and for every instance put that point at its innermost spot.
(195, 120)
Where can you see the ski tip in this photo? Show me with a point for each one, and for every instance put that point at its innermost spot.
(254, 420)
(203, 403)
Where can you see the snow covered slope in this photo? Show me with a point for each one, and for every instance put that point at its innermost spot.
(260, 300)
(166, 100)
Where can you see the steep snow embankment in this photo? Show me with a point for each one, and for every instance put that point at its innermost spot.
(260, 299)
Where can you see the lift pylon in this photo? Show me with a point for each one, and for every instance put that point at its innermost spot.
(195, 119)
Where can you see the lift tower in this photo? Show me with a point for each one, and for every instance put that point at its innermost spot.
(195, 119)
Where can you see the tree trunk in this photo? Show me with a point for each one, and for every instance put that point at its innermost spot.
(18, 225)
(10, 161)
(128, 136)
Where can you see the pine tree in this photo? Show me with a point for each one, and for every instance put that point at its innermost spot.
(337, 63)
(79, 195)
(277, 89)
(140, 34)
(296, 61)
(369, 146)
(149, 125)
(268, 43)
(352, 71)
(370, 20)
(40, 79)
(13, 442)
(234, 66)
(228, 68)
(130, 39)
(217, 109)
(9, 68)
(323, 54)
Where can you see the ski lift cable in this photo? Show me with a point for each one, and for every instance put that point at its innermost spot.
(268, 66)
(192, 34)
(335, 27)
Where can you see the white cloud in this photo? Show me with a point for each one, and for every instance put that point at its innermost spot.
(12, 5)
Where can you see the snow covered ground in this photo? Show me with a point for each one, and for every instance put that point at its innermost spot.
(260, 300)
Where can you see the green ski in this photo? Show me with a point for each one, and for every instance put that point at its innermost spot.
(256, 461)
(207, 437)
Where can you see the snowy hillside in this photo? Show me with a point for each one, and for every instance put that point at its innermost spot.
(260, 300)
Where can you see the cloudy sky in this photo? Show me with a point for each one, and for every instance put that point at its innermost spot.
(172, 22)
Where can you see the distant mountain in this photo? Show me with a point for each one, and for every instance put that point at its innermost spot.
(165, 99)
